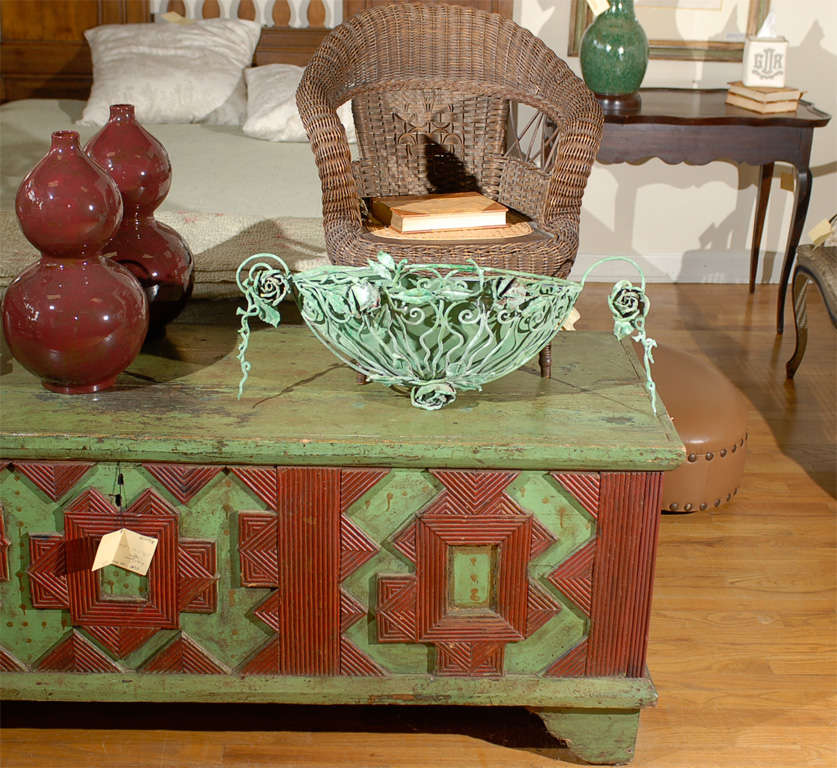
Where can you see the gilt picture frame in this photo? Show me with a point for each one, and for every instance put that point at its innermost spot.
(680, 49)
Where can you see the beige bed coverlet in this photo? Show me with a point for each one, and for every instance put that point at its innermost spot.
(231, 195)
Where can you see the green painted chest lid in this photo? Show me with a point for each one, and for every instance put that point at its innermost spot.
(304, 407)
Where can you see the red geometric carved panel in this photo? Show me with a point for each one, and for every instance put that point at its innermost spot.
(268, 611)
(4, 549)
(396, 610)
(184, 656)
(9, 663)
(574, 577)
(265, 661)
(121, 641)
(183, 481)
(355, 548)
(512, 537)
(572, 664)
(257, 549)
(89, 518)
(306, 550)
(473, 510)
(48, 571)
(262, 481)
(474, 490)
(355, 482)
(75, 654)
(355, 663)
(470, 659)
(540, 609)
(54, 478)
(181, 577)
(197, 590)
(351, 611)
(405, 542)
(584, 486)
(542, 538)
(629, 517)
(308, 543)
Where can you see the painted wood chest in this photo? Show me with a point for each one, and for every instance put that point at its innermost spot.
(320, 541)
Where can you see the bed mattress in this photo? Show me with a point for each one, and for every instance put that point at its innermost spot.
(231, 195)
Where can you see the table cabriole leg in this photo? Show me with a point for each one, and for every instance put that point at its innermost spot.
(765, 178)
(598, 736)
(800, 321)
(800, 209)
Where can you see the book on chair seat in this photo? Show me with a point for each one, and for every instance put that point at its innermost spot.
(428, 213)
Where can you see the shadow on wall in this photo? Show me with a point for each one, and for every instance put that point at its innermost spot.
(625, 237)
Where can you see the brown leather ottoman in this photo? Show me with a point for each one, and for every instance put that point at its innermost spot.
(710, 415)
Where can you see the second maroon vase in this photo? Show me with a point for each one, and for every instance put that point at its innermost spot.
(154, 252)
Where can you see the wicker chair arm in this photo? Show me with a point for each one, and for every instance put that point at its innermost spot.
(328, 141)
(578, 145)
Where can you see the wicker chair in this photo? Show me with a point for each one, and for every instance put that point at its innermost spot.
(431, 88)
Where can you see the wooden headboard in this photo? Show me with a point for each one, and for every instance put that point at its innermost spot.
(44, 53)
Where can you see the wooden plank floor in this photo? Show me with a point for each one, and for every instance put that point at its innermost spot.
(743, 632)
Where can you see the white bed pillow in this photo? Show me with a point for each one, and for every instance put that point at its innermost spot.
(171, 73)
(271, 105)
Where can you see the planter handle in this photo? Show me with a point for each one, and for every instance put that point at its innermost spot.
(629, 305)
(265, 287)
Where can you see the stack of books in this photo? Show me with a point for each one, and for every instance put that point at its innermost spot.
(430, 213)
(764, 100)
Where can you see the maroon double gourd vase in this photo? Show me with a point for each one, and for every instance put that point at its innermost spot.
(155, 253)
(75, 318)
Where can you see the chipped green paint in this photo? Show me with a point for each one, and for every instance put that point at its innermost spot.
(228, 634)
(472, 572)
(167, 410)
(381, 513)
(585, 694)
(597, 736)
(593, 414)
(118, 583)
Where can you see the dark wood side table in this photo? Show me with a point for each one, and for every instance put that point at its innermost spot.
(680, 125)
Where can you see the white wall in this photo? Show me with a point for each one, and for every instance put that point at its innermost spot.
(687, 223)
(694, 223)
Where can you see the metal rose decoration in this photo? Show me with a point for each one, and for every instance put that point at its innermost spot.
(432, 329)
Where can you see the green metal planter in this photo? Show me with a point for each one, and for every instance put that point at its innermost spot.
(430, 329)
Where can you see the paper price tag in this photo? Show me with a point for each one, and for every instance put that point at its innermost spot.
(127, 549)
(598, 6)
(821, 232)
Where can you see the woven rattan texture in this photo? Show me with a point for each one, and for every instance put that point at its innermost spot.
(431, 87)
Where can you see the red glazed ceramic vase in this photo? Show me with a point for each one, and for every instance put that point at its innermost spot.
(156, 254)
(75, 318)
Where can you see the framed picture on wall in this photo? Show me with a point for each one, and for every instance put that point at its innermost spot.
(698, 30)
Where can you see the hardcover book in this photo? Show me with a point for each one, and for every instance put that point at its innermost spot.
(428, 213)
(764, 95)
(764, 108)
